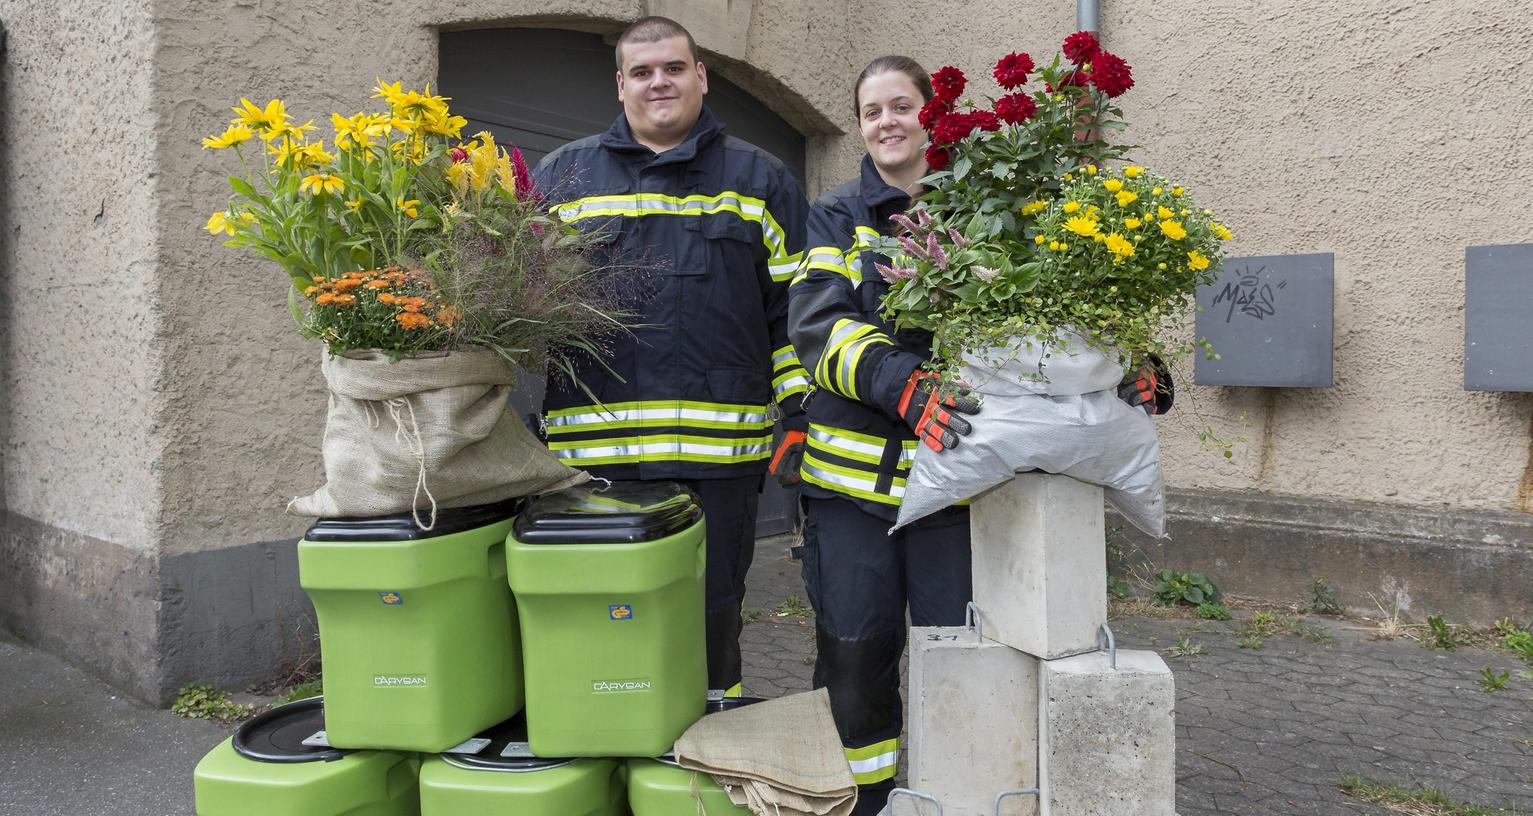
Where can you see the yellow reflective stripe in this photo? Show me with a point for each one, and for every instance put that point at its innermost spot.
(851, 354)
(734, 691)
(650, 404)
(845, 331)
(874, 763)
(662, 447)
(861, 447)
(790, 383)
(862, 484)
(658, 414)
(785, 358)
(633, 205)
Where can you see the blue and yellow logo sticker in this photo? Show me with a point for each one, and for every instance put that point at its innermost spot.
(391, 598)
(620, 612)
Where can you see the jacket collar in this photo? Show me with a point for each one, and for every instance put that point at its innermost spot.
(876, 192)
(619, 138)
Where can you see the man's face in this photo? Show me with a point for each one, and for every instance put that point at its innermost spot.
(661, 88)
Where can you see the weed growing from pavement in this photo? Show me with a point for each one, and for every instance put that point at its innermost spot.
(200, 701)
(1119, 588)
(313, 687)
(794, 606)
(1213, 611)
(1490, 681)
(1416, 800)
(749, 616)
(1251, 642)
(1186, 648)
(1444, 635)
(1324, 599)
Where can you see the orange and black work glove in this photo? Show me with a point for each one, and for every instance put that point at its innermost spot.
(788, 458)
(1148, 388)
(932, 416)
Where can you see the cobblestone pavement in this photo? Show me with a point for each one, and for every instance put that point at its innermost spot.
(1271, 730)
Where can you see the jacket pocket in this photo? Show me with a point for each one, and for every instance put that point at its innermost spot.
(739, 385)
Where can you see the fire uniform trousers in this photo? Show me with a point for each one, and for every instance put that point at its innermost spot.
(859, 578)
(713, 231)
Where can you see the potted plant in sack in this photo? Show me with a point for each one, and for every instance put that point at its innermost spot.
(430, 269)
(1044, 276)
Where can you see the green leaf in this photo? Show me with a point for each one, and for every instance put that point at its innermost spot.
(1194, 595)
(961, 168)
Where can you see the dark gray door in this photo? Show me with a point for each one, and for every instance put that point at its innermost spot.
(538, 88)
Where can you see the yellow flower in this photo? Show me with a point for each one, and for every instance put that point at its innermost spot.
(354, 132)
(1165, 213)
(1223, 232)
(407, 207)
(1082, 226)
(319, 183)
(1126, 198)
(441, 123)
(257, 118)
(354, 204)
(1092, 209)
(284, 130)
(219, 222)
(1034, 206)
(1149, 216)
(1131, 223)
(1071, 206)
(1054, 245)
(1119, 245)
(1173, 230)
(1069, 177)
(1112, 185)
(1063, 246)
(460, 174)
(384, 90)
(1158, 190)
(1196, 262)
(1177, 191)
(237, 133)
(1091, 169)
(1160, 266)
(1040, 240)
(247, 218)
(1133, 171)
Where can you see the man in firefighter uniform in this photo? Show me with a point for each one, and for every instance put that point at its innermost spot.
(717, 225)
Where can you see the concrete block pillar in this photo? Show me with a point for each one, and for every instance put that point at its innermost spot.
(1040, 564)
(1108, 737)
(973, 721)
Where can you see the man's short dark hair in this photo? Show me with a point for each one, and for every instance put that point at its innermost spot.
(654, 29)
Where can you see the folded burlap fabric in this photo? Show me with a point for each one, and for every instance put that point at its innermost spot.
(779, 757)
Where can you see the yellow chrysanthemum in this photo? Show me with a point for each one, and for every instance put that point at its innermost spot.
(219, 222)
(235, 134)
(1223, 232)
(1165, 213)
(1173, 230)
(1133, 171)
(408, 207)
(1082, 226)
(1069, 177)
(1161, 265)
(1177, 191)
(1196, 262)
(354, 204)
(1119, 246)
(1131, 223)
(1040, 240)
(1126, 198)
(1112, 185)
(1071, 206)
(1158, 190)
(1054, 245)
(319, 183)
(1034, 207)
(257, 118)
(1091, 169)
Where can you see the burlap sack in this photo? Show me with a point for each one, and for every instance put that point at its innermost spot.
(423, 433)
(781, 757)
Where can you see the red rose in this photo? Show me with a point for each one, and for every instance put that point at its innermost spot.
(1011, 70)
(948, 82)
(1081, 47)
(931, 112)
(984, 120)
(950, 128)
(1015, 108)
(1111, 74)
(936, 157)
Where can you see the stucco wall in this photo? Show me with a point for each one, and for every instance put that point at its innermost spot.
(80, 348)
(1393, 135)
(243, 391)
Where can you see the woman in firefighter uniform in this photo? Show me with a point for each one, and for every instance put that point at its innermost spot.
(872, 405)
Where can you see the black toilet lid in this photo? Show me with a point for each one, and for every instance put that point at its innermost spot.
(278, 734)
(511, 732)
(612, 513)
(402, 527)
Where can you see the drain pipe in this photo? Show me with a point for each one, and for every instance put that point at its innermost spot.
(1086, 16)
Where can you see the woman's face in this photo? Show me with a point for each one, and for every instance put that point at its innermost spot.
(887, 105)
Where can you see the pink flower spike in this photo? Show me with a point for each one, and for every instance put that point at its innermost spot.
(923, 217)
(938, 256)
(889, 275)
(904, 221)
(984, 273)
(958, 240)
(913, 248)
(524, 185)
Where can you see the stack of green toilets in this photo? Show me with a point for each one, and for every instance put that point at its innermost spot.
(526, 661)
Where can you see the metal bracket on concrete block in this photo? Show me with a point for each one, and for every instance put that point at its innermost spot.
(971, 620)
(1015, 792)
(1105, 640)
(915, 795)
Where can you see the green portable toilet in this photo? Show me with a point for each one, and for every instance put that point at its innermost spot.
(418, 632)
(502, 778)
(609, 585)
(267, 768)
(660, 787)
